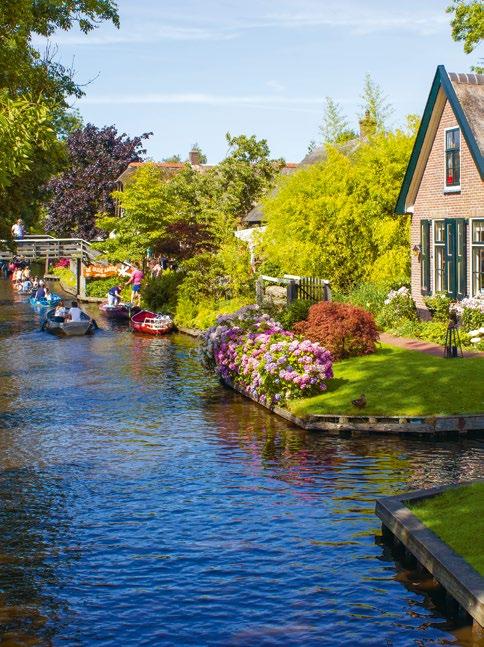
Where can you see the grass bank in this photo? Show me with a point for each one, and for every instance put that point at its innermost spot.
(400, 382)
(457, 517)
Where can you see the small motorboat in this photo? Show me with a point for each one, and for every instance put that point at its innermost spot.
(123, 311)
(43, 303)
(151, 323)
(53, 325)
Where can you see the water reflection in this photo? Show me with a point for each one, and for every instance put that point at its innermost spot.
(143, 503)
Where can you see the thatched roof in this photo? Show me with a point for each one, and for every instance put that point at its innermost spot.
(469, 89)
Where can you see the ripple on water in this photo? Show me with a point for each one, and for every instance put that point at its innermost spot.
(143, 504)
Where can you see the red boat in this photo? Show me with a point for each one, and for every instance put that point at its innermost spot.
(151, 323)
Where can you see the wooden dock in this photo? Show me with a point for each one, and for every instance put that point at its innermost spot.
(456, 576)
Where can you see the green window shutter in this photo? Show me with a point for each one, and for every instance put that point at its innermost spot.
(425, 256)
(450, 257)
(461, 258)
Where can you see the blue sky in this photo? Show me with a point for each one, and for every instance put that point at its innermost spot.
(191, 70)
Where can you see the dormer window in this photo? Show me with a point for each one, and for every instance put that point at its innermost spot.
(452, 158)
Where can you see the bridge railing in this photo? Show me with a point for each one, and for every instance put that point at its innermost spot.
(36, 248)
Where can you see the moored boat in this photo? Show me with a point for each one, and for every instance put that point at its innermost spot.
(151, 323)
(58, 326)
(123, 311)
(43, 303)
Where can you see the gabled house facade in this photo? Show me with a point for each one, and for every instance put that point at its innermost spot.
(443, 190)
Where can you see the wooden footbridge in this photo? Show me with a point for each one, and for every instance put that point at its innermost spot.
(43, 247)
(46, 248)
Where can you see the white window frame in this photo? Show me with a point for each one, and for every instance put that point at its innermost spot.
(471, 258)
(457, 187)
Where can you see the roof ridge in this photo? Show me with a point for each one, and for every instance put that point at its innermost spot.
(466, 77)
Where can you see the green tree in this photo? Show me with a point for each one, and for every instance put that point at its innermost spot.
(234, 186)
(335, 126)
(375, 109)
(22, 67)
(468, 25)
(29, 152)
(174, 159)
(335, 219)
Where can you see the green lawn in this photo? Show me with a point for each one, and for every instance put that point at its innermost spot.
(457, 517)
(400, 382)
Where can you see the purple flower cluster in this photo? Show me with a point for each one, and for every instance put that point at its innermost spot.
(274, 365)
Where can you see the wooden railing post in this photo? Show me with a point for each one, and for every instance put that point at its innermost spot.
(291, 291)
(259, 291)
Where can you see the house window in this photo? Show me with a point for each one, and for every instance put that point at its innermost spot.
(439, 256)
(477, 252)
(452, 157)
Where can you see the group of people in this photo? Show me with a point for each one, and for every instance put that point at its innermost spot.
(159, 265)
(135, 280)
(63, 313)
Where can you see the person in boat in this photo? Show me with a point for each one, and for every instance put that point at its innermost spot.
(114, 296)
(135, 281)
(26, 272)
(48, 295)
(26, 284)
(40, 294)
(74, 313)
(35, 283)
(59, 313)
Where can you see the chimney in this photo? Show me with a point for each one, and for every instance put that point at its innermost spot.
(194, 158)
(367, 126)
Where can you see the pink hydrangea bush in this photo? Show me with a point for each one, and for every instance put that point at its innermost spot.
(251, 350)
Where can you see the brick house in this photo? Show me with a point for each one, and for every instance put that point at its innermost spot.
(443, 190)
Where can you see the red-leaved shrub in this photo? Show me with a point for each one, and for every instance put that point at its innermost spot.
(342, 328)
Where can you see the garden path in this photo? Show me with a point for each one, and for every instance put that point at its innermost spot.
(422, 346)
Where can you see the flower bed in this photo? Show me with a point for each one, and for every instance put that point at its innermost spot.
(253, 351)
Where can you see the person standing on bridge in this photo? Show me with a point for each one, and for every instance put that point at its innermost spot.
(18, 229)
(135, 280)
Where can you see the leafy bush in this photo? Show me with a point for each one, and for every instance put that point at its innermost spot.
(99, 287)
(202, 315)
(342, 328)
(405, 328)
(161, 294)
(439, 306)
(370, 296)
(433, 331)
(253, 351)
(65, 275)
(471, 313)
(397, 308)
(295, 311)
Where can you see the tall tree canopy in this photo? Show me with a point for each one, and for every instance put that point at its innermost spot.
(22, 67)
(34, 116)
(468, 25)
(190, 212)
(29, 152)
(335, 126)
(96, 158)
(335, 219)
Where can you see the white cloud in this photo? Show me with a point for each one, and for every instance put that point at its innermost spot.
(306, 104)
(111, 36)
(275, 85)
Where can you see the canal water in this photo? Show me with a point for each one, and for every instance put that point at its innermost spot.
(141, 503)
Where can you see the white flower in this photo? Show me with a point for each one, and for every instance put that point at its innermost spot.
(475, 340)
(473, 333)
